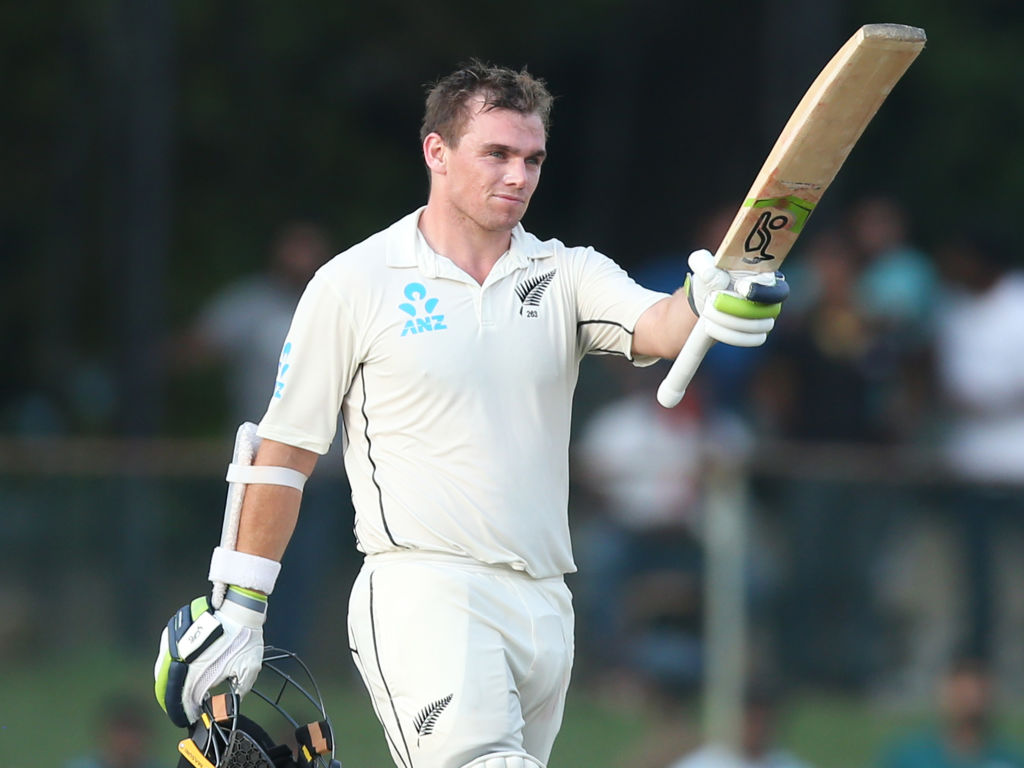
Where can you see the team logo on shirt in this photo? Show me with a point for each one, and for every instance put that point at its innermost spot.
(530, 292)
(425, 721)
(421, 310)
(282, 368)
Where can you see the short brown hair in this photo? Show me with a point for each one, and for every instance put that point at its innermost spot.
(501, 88)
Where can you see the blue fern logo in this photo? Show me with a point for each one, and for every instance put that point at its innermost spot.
(422, 311)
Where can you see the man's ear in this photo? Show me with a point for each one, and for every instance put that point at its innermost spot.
(435, 153)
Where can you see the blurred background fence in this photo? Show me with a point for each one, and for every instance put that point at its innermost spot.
(862, 569)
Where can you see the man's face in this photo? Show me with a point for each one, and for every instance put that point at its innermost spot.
(490, 175)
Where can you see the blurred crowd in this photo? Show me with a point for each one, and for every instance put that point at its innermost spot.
(887, 546)
(882, 558)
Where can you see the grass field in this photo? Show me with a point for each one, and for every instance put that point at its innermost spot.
(48, 712)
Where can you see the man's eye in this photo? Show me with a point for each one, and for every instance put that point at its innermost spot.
(497, 153)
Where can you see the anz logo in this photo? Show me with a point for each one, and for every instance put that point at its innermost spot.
(282, 369)
(421, 310)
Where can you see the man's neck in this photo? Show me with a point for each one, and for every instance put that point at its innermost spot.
(472, 249)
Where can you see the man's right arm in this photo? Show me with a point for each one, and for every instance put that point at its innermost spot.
(206, 641)
(269, 512)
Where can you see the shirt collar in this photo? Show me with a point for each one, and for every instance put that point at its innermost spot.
(406, 247)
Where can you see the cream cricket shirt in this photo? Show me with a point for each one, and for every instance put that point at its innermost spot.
(456, 398)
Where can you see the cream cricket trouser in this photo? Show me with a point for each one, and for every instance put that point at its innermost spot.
(461, 659)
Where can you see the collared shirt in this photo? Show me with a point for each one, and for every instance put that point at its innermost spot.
(456, 397)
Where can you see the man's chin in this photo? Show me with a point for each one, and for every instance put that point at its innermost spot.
(506, 222)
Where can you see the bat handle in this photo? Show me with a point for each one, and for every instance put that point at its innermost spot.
(685, 366)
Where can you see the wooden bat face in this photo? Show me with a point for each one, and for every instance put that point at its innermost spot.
(815, 142)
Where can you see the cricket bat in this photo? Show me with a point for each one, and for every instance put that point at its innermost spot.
(808, 154)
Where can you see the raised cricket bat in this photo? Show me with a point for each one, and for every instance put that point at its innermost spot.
(810, 151)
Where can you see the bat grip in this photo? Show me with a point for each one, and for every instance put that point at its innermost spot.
(685, 366)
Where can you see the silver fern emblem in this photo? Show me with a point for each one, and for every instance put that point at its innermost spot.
(427, 718)
(530, 291)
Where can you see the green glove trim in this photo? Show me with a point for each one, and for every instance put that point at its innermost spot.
(731, 304)
(249, 593)
(160, 687)
(198, 607)
(247, 598)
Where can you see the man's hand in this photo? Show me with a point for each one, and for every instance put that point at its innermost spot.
(738, 308)
(201, 647)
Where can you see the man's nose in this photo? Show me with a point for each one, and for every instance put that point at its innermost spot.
(515, 172)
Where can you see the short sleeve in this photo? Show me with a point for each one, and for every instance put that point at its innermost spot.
(319, 358)
(609, 303)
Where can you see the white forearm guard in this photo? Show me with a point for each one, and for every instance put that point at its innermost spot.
(243, 570)
(228, 566)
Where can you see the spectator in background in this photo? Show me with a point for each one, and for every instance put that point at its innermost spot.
(757, 745)
(819, 385)
(124, 736)
(964, 736)
(243, 326)
(896, 291)
(980, 373)
(980, 360)
(954, 580)
(898, 281)
(814, 387)
(641, 467)
(641, 463)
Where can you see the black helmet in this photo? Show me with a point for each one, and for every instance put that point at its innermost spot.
(223, 737)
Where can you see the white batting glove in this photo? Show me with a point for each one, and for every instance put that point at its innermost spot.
(201, 647)
(738, 307)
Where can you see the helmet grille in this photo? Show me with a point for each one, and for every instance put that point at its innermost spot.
(244, 752)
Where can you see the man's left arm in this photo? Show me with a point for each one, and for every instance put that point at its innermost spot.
(663, 327)
(737, 309)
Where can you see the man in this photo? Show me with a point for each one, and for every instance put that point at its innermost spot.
(242, 327)
(965, 736)
(757, 744)
(124, 733)
(450, 341)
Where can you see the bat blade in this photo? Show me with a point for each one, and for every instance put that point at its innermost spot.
(812, 147)
(815, 143)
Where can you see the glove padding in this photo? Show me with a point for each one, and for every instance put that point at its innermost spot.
(201, 647)
(738, 307)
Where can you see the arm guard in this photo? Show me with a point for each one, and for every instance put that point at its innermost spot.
(228, 566)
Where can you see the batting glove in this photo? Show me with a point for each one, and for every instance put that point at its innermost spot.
(201, 647)
(738, 307)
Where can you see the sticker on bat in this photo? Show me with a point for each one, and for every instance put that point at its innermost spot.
(794, 209)
(760, 237)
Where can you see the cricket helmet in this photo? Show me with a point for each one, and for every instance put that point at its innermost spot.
(223, 737)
